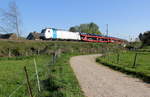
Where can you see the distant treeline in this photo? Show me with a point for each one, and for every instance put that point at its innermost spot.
(88, 28)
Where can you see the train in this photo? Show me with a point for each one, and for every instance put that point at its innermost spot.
(59, 34)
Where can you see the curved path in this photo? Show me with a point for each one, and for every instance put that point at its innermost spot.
(100, 81)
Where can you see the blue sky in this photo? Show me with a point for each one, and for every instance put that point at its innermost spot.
(125, 17)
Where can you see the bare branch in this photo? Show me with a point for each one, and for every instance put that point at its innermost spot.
(10, 19)
(3, 29)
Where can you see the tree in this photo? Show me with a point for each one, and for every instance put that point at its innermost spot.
(141, 36)
(88, 28)
(145, 38)
(10, 19)
(74, 29)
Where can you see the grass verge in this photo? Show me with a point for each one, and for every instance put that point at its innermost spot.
(125, 64)
(12, 74)
(61, 81)
(56, 80)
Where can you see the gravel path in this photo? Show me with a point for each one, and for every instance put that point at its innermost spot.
(100, 81)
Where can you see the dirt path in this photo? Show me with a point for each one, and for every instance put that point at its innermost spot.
(100, 81)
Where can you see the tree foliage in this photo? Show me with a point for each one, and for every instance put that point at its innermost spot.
(145, 38)
(88, 28)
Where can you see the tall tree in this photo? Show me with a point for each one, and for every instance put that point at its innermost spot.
(145, 38)
(88, 28)
(10, 19)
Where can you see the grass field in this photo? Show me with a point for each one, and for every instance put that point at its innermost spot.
(12, 74)
(124, 62)
(57, 80)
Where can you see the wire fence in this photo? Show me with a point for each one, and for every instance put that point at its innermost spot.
(23, 87)
(131, 59)
(31, 86)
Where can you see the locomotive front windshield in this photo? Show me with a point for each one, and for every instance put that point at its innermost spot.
(43, 30)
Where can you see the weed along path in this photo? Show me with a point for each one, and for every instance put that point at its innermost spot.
(100, 81)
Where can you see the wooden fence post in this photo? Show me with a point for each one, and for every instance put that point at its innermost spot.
(118, 58)
(26, 53)
(37, 76)
(9, 52)
(38, 51)
(53, 58)
(135, 57)
(28, 83)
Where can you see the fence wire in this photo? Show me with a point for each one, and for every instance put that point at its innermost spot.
(15, 91)
(33, 78)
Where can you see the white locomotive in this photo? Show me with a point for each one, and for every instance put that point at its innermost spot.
(52, 33)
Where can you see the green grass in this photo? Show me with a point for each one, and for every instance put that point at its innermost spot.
(56, 80)
(62, 81)
(145, 49)
(125, 64)
(12, 74)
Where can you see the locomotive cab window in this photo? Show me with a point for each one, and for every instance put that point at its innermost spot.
(43, 31)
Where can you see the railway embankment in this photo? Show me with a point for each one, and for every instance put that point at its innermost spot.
(10, 48)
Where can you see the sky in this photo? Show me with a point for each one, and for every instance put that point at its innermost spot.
(126, 18)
